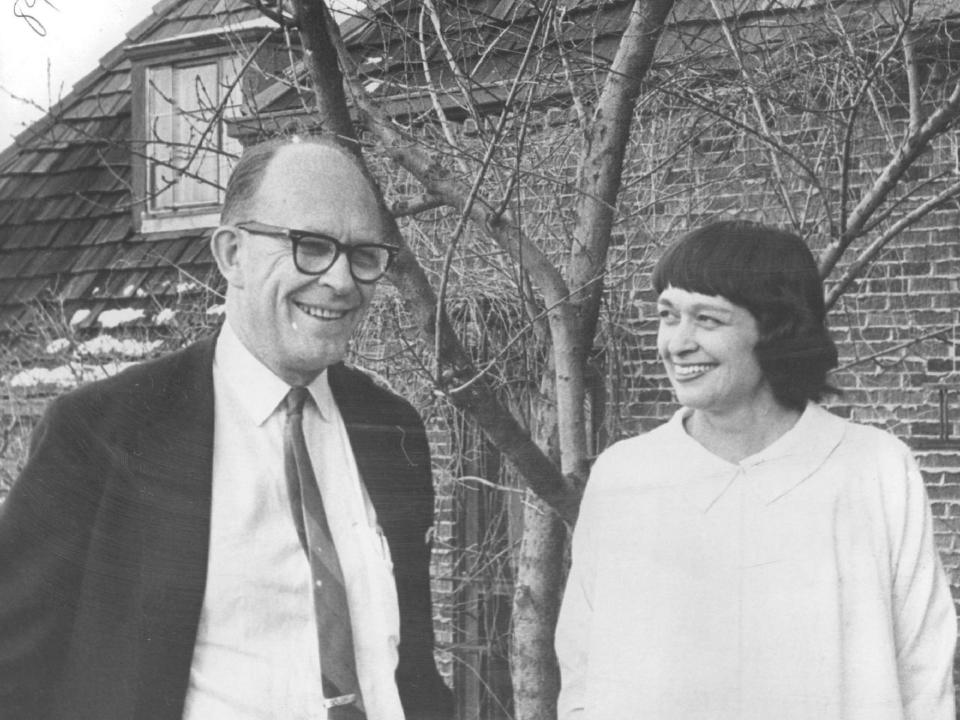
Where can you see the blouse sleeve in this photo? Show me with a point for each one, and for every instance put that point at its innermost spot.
(924, 616)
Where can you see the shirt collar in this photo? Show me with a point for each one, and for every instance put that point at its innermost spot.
(258, 390)
(791, 458)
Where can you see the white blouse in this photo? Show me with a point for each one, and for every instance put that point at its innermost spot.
(799, 583)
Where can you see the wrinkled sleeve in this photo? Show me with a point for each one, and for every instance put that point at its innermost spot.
(924, 617)
(575, 621)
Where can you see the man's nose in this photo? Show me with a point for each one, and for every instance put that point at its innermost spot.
(338, 275)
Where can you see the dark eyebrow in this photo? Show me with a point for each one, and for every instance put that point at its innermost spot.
(314, 233)
(716, 309)
(698, 307)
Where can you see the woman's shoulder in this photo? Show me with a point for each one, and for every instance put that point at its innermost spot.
(645, 442)
(637, 459)
(874, 461)
(871, 441)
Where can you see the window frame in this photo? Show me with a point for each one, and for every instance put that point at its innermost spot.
(147, 217)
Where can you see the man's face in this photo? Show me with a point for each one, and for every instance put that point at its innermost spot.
(299, 324)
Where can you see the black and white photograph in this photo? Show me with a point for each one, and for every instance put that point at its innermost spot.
(479, 359)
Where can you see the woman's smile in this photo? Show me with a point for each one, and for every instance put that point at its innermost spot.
(691, 372)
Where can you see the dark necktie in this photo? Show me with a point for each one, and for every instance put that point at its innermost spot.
(338, 664)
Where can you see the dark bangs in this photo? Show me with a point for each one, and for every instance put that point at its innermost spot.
(750, 265)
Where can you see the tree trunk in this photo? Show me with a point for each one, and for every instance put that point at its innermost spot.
(538, 584)
(536, 602)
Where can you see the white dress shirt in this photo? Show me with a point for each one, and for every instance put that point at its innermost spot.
(256, 655)
(801, 583)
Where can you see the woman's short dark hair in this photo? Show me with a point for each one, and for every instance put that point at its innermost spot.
(772, 274)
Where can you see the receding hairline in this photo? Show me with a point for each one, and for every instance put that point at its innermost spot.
(257, 161)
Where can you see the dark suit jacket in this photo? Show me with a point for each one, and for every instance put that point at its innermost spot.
(104, 541)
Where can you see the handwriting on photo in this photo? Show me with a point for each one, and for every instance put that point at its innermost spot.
(24, 9)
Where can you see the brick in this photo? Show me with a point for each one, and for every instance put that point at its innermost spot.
(939, 459)
(924, 429)
(844, 411)
(871, 302)
(919, 300)
(915, 268)
(946, 300)
(941, 365)
(874, 333)
(944, 236)
(943, 542)
(937, 492)
(886, 285)
(844, 380)
(932, 318)
(931, 284)
(902, 397)
(922, 253)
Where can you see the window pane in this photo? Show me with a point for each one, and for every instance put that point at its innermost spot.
(182, 102)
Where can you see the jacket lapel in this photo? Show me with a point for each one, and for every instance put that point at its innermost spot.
(359, 417)
(175, 481)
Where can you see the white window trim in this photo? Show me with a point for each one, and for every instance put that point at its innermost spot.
(184, 217)
(185, 220)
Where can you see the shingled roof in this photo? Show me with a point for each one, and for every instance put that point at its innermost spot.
(66, 226)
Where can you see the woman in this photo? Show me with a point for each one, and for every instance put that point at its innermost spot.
(754, 558)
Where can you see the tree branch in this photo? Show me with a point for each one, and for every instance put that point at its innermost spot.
(874, 248)
(606, 140)
(910, 149)
(781, 184)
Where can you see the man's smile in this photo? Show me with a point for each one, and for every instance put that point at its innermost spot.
(321, 313)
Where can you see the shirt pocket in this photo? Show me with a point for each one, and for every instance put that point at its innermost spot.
(384, 581)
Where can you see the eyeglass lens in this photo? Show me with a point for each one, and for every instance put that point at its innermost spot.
(316, 255)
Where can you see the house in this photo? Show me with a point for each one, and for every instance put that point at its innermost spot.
(104, 207)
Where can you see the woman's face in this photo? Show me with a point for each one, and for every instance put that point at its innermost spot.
(707, 345)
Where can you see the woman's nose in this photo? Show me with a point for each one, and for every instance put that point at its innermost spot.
(682, 338)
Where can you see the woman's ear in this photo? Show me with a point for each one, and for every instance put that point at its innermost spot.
(226, 250)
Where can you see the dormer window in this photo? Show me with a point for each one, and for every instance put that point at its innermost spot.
(185, 90)
(187, 149)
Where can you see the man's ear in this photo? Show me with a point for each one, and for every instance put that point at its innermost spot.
(226, 250)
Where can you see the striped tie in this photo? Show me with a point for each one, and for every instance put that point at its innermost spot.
(338, 664)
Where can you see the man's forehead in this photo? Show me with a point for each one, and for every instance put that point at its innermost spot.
(313, 186)
(317, 157)
(312, 169)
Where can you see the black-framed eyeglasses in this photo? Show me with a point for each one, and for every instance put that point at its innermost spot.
(315, 253)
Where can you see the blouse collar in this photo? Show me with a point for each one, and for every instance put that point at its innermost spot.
(789, 460)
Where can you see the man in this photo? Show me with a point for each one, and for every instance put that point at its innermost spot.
(159, 553)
